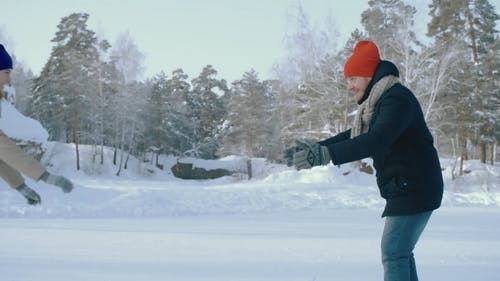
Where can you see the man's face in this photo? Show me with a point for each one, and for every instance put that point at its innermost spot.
(4, 77)
(357, 85)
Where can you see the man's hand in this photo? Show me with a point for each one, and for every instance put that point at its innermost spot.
(309, 154)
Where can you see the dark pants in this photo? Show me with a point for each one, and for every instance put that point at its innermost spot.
(400, 236)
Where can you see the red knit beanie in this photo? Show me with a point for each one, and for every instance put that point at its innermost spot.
(363, 61)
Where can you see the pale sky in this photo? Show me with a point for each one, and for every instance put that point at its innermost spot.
(232, 35)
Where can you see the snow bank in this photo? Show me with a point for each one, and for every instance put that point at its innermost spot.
(20, 127)
(142, 190)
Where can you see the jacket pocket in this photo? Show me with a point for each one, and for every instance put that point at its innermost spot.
(396, 187)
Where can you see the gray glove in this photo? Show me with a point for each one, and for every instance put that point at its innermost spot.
(309, 154)
(60, 181)
(30, 195)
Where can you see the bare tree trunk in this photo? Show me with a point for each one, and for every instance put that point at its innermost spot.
(122, 148)
(471, 32)
(77, 156)
(482, 151)
(493, 153)
(462, 142)
(101, 108)
(454, 155)
(126, 161)
(120, 164)
(75, 138)
(102, 152)
(94, 153)
(249, 168)
(461, 166)
(158, 165)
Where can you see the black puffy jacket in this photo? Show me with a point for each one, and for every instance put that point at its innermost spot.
(401, 146)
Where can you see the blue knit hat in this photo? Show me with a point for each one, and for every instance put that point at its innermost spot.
(5, 59)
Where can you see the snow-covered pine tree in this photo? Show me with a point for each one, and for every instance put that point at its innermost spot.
(155, 114)
(62, 93)
(207, 111)
(467, 27)
(481, 18)
(250, 118)
(181, 127)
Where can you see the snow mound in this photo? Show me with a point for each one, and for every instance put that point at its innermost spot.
(142, 190)
(20, 127)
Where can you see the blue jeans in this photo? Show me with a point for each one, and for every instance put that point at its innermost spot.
(400, 236)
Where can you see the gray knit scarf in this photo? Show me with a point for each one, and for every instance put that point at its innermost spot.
(365, 110)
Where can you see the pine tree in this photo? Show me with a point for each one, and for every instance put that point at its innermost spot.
(491, 101)
(481, 18)
(447, 28)
(156, 110)
(181, 127)
(207, 111)
(66, 85)
(468, 26)
(250, 118)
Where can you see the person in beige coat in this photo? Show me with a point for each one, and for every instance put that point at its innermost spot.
(14, 161)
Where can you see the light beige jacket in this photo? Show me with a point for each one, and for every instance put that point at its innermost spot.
(14, 161)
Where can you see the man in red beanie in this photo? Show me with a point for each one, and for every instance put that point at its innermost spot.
(390, 128)
(13, 159)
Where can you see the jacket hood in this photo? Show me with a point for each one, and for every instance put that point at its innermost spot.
(384, 68)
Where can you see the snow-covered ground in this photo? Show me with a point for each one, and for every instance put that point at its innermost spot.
(284, 224)
(317, 224)
(461, 244)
